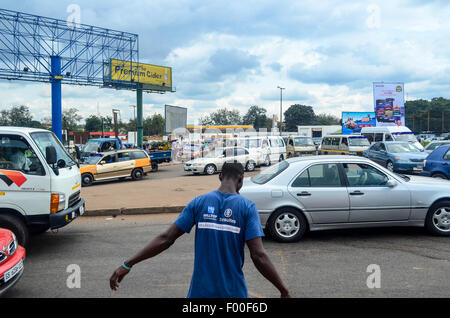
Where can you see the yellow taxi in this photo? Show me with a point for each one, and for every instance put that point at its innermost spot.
(119, 164)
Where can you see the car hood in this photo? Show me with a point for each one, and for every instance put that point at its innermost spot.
(411, 155)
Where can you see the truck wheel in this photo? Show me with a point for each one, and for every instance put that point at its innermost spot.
(267, 161)
(287, 225)
(154, 167)
(281, 158)
(87, 179)
(17, 226)
(137, 174)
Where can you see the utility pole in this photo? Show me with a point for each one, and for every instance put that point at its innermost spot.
(428, 127)
(281, 107)
(116, 127)
(134, 114)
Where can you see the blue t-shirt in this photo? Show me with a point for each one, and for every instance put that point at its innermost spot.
(224, 223)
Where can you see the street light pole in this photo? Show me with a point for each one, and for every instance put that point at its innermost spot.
(281, 107)
(134, 114)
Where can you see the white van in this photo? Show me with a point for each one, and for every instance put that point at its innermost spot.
(269, 149)
(390, 133)
(40, 182)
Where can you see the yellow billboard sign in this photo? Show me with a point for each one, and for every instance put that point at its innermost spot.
(141, 73)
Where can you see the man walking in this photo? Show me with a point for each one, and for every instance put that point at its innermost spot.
(225, 221)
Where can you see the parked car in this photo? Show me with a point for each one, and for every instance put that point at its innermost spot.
(214, 161)
(434, 144)
(396, 156)
(336, 192)
(437, 164)
(12, 256)
(134, 163)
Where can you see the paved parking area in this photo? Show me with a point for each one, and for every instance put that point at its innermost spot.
(323, 264)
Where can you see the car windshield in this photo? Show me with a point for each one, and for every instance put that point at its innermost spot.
(92, 160)
(91, 146)
(270, 173)
(358, 141)
(303, 142)
(399, 148)
(404, 136)
(47, 139)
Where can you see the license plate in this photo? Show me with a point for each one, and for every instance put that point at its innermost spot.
(417, 168)
(82, 210)
(13, 271)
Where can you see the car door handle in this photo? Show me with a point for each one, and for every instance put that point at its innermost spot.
(304, 194)
(357, 193)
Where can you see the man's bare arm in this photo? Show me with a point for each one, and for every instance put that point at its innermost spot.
(265, 267)
(159, 244)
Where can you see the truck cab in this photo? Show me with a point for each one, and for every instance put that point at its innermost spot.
(40, 183)
(100, 145)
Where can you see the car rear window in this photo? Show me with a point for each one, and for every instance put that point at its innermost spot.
(270, 173)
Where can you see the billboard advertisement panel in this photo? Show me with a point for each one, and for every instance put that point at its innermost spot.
(176, 117)
(389, 101)
(353, 122)
(142, 73)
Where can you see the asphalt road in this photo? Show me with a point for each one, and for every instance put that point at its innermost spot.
(324, 264)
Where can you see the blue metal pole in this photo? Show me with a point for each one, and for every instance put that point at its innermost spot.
(56, 97)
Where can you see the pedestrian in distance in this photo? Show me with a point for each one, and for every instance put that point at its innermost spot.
(225, 222)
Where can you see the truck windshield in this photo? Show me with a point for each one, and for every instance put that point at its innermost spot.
(405, 136)
(358, 141)
(46, 139)
(91, 147)
(303, 142)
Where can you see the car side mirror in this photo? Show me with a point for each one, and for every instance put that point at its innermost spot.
(50, 155)
(391, 183)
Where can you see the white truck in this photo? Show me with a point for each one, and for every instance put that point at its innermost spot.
(40, 183)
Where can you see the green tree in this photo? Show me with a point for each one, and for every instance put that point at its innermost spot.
(93, 124)
(222, 116)
(298, 115)
(326, 119)
(70, 119)
(256, 116)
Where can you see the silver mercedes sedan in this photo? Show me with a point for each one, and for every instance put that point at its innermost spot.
(337, 192)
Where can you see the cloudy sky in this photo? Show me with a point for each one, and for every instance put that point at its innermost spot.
(235, 53)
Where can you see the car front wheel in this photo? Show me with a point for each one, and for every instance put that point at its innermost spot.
(438, 218)
(250, 166)
(287, 225)
(87, 179)
(210, 169)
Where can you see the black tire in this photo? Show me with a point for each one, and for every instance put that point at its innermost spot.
(439, 175)
(210, 169)
(267, 162)
(281, 158)
(389, 164)
(137, 174)
(250, 166)
(155, 167)
(295, 222)
(17, 226)
(433, 216)
(87, 179)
